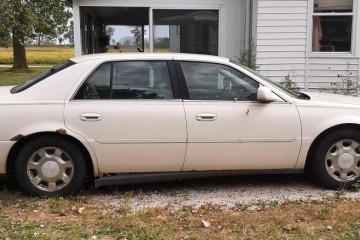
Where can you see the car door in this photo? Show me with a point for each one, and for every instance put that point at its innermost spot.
(131, 115)
(228, 129)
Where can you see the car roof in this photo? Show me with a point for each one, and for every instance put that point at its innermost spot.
(149, 56)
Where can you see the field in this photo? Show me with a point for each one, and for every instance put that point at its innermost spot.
(39, 55)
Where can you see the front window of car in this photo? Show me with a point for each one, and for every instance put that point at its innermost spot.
(31, 82)
(210, 81)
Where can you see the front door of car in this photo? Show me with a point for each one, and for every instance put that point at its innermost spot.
(128, 113)
(228, 129)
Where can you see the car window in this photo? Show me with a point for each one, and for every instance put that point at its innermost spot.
(210, 81)
(144, 80)
(128, 80)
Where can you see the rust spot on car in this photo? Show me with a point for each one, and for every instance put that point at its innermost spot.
(61, 131)
(17, 137)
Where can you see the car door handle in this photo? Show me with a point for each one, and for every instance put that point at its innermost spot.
(206, 117)
(90, 117)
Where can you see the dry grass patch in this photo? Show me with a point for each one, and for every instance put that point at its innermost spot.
(85, 217)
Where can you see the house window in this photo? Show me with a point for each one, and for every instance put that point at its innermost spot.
(332, 25)
(186, 31)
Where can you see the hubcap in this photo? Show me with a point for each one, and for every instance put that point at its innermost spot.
(342, 160)
(50, 169)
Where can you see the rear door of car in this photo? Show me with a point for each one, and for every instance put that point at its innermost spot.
(132, 114)
(228, 129)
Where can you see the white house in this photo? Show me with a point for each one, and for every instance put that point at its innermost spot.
(311, 41)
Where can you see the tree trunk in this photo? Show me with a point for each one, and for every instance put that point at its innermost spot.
(39, 40)
(20, 61)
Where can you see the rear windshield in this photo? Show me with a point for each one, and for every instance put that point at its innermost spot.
(41, 76)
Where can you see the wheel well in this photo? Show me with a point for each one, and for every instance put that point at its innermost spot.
(10, 164)
(321, 136)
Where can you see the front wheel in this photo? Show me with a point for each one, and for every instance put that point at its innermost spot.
(50, 166)
(336, 160)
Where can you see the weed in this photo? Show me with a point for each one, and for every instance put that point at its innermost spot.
(124, 207)
(324, 212)
(188, 209)
(356, 186)
(340, 192)
(55, 205)
(147, 233)
(289, 81)
(248, 56)
(347, 84)
(106, 229)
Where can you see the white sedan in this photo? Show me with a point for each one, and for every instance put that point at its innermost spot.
(129, 118)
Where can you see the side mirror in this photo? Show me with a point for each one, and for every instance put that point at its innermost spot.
(264, 94)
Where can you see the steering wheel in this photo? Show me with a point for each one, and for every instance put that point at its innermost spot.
(227, 89)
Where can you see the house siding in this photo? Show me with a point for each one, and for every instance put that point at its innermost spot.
(281, 39)
(321, 71)
(284, 47)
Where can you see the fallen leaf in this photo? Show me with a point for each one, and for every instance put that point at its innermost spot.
(80, 210)
(206, 224)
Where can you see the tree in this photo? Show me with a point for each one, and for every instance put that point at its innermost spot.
(24, 19)
(69, 33)
(5, 41)
(162, 42)
(109, 31)
(138, 34)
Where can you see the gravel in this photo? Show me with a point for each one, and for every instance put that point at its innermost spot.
(226, 193)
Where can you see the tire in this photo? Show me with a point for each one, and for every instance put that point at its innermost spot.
(50, 166)
(336, 160)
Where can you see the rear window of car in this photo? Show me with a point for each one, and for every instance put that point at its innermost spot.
(31, 82)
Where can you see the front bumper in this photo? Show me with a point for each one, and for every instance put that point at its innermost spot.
(5, 147)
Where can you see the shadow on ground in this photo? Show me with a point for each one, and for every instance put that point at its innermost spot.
(215, 183)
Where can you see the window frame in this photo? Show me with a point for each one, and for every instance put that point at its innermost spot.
(311, 14)
(172, 77)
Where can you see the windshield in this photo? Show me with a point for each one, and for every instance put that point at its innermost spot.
(41, 76)
(274, 84)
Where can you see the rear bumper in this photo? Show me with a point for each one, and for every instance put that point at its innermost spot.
(5, 147)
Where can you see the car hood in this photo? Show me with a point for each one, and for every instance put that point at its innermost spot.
(327, 99)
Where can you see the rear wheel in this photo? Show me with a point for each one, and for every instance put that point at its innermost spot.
(336, 161)
(50, 166)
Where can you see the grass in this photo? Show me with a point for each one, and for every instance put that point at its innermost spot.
(39, 55)
(23, 217)
(8, 77)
